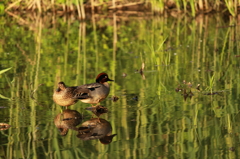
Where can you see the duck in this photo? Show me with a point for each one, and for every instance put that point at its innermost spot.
(93, 129)
(66, 120)
(93, 93)
(63, 95)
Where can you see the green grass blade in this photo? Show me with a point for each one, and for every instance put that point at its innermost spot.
(5, 70)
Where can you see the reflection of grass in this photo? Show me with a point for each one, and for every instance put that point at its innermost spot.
(156, 53)
(1, 72)
(75, 52)
(211, 83)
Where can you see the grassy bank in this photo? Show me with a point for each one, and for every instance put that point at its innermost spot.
(157, 7)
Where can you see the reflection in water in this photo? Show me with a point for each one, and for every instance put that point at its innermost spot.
(68, 119)
(114, 98)
(165, 126)
(98, 110)
(96, 128)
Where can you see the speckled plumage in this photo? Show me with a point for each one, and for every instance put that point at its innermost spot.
(95, 92)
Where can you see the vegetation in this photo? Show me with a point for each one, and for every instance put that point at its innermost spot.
(46, 49)
(174, 7)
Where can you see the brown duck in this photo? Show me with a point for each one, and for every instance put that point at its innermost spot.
(63, 95)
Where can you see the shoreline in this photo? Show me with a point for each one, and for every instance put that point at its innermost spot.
(83, 11)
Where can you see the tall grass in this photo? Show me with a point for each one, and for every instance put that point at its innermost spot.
(190, 7)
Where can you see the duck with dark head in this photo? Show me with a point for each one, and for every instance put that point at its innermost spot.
(94, 93)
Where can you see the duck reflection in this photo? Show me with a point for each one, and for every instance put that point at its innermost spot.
(98, 110)
(96, 128)
(68, 119)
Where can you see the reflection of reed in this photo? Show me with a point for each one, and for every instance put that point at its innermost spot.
(115, 32)
(168, 123)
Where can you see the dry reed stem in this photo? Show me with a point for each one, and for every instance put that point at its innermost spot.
(82, 10)
(12, 5)
(17, 17)
(200, 4)
(126, 5)
(78, 9)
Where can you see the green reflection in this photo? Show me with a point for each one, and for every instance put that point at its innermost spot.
(159, 123)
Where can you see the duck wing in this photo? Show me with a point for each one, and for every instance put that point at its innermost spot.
(83, 91)
(91, 86)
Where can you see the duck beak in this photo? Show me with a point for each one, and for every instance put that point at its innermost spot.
(110, 79)
(58, 89)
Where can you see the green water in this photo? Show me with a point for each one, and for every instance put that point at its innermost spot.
(151, 119)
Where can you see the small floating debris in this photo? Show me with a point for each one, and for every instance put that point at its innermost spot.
(98, 110)
(4, 126)
(185, 94)
(142, 68)
(214, 93)
(141, 71)
(231, 148)
(190, 94)
(184, 81)
(208, 70)
(198, 87)
(178, 89)
(114, 98)
(124, 75)
(189, 84)
(184, 87)
(135, 98)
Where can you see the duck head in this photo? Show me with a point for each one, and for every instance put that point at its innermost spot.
(61, 86)
(102, 77)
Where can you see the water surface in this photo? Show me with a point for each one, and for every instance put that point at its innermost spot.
(160, 113)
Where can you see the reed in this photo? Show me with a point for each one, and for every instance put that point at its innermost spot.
(190, 7)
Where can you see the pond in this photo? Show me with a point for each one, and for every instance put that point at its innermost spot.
(176, 80)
